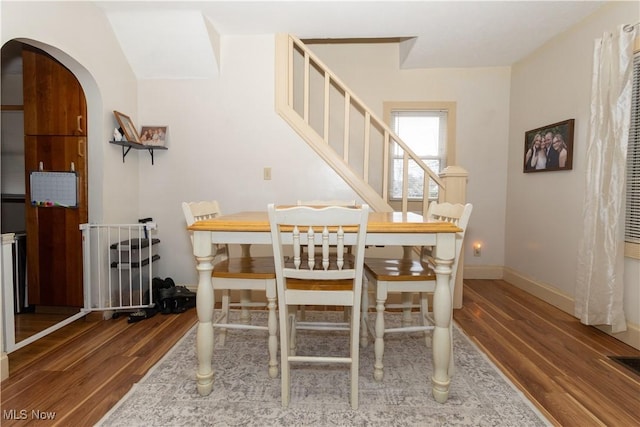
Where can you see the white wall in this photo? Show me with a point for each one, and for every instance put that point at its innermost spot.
(482, 98)
(544, 210)
(222, 133)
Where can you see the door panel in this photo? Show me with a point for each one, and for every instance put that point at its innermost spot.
(54, 243)
(61, 105)
(55, 129)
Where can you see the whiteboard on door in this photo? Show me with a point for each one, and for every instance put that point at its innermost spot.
(49, 189)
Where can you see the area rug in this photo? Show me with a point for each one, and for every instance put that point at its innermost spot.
(245, 395)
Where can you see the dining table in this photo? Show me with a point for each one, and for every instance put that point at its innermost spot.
(383, 229)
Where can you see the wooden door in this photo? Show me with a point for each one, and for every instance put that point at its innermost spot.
(54, 102)
(55, 138)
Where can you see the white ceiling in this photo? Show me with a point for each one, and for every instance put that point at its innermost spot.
(176, 39)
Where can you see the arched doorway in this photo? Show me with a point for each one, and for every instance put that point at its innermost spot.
(43, 97)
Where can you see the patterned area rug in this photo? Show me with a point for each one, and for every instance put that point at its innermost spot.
(245, 395)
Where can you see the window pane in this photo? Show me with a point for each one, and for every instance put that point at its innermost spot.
(420, 133)
(416, 179)
(424, 132)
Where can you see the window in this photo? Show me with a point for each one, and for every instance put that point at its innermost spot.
(427, 129)
(632, 223)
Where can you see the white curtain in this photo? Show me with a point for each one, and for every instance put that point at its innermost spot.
(599, 284)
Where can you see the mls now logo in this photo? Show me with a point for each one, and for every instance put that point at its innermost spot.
(23, 414)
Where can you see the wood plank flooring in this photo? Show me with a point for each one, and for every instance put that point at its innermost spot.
(81, 371)
(560, 365)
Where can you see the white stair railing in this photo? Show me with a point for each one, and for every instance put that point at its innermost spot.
(342, 129)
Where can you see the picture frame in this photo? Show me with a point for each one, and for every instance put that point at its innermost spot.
(127, 127)
(155, 136)
(549, 148)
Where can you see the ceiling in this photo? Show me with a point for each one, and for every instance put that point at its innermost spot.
(436, 34)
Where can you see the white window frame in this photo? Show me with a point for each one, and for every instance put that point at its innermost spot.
(448, 149)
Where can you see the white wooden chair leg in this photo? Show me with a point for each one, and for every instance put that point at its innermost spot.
(355, 361)
(424, 316)
(364, 321)
(272, 324)
(379, 341)
(452, 368)
(222, 336)
(285, 382)
(245, 301)
(407, 302)
(292, 334)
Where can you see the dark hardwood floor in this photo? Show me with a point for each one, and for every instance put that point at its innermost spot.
(562, 366)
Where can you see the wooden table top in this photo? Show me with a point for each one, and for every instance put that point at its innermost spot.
(379, 222)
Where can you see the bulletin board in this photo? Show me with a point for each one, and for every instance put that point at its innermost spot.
(50, 189)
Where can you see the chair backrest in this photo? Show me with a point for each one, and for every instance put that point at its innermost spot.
(198, 211)
(345, 203)
(457, 214)
(318, 228)
(333, 202)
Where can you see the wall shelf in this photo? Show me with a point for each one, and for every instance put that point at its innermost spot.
(128, 145)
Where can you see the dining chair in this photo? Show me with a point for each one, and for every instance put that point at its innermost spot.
(318, 277)
(245, 274)
(409, 276)
(329, 202)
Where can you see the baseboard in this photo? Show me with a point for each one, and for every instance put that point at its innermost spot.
(631, 336)
(4, 366)
(488, 272)
(566, 303)
(543, 291)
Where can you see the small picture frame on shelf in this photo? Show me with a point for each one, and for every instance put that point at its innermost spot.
(155, 136)
(127, 128)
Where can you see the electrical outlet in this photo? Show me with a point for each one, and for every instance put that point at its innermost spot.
(477, 249)
(267, 174)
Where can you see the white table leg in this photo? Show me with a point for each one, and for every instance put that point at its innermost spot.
(442, 309)
(204, 307)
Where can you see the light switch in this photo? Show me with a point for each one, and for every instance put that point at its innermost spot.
(267, 174)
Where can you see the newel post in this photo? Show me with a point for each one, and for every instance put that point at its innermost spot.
(455, 191)
(455, 185)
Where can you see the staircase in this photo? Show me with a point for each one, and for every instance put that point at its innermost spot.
(351, 138)
(347, 134)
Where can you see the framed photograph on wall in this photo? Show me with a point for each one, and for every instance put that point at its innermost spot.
(549, 148)
(127, 128)
(154, 135)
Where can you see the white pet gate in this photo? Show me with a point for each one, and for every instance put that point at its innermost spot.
(117, 274)
(118, 265)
